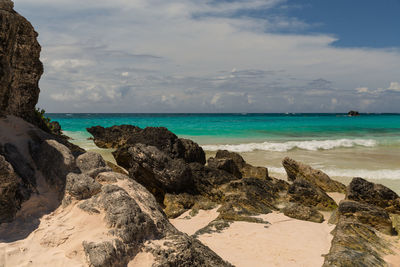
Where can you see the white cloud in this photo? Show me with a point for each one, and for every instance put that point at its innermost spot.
(163, 48)
(362, 89)
(394, 86)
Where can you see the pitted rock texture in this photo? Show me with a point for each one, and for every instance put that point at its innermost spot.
(297, 170)
(375, 194)
(20, 67)
(159, 137)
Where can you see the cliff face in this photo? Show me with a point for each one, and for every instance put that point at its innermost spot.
(20, 67)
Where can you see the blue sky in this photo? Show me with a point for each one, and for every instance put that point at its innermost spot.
(218, 56)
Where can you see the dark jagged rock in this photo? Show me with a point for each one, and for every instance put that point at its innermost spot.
(193, 152)
(306, 193)
(159, 137)
(62, 163)
(352, 113)
(10, 199)
(370, 215)
(375, 194)
(301, 212)
(225, 164)
(189, 252)
(81, 186)
(356, 244)
(246, 170)
(20, 67)
(247, 197)
(297, 170)
(154, 169)
(106, 253)
(175, 205)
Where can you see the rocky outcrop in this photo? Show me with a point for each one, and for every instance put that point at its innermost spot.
(375, 194)
(360, 221)
(366, 214)
(356, 244)
(20, 67)
(225, 164)
(246, 170)
(159, 137)
(352, 113)
(310, 195)
(156, 170)
(297, 170)
(301, 212)
(10, 200)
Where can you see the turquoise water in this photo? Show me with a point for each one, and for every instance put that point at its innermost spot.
(244, 128)
(342, 146)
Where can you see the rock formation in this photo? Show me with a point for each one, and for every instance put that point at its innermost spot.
(352, 113)
(159, 137)
(375, 194)
(20, 67)
(297, 170)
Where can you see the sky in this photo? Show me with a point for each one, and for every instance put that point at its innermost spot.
(217, 55)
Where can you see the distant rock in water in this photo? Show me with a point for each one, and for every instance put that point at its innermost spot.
(352, 113)
(20, 67)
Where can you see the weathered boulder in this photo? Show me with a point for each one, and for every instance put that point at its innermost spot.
(137, 222)
(193, 152)
(247, 197)
(297, 170)
(20, 67)
(89, 161)
(370, 215)
(175, 205)
(375, 194)
(301, 212)
(62, 163)
(308, 194)
(81, 186)
(156, 170)
(10, 200)
(356, 244)
(225, 164)
(159, 137)
(246, 170)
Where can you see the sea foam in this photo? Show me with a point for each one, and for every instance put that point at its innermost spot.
(290, 145)
(393, 174)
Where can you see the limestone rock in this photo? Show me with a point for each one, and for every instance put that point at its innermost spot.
(306, 193)
(356, 244)
(10, 201)
(225, 154)
(300, 212)
(81, 186)
(247, 197)
(20, 67)
(62, 163)
(154, 169)
(89, 161)
(159, 137)
(370, 215)
(225, 164)
(375, 194)
(297, 170)
(175, 205)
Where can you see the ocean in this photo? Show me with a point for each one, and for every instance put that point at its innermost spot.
(366, 146)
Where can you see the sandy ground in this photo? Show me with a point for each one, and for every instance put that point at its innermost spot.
(190, 226)
(57, 241)
(283, 242)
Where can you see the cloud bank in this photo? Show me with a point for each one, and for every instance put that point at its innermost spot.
(201, 56)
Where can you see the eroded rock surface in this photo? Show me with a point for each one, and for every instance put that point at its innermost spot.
(159, 137)
(297, 170)
(301, 212)
(375, 194)
(20, 67)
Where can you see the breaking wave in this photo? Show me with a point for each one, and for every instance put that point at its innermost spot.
(290, 145)
(393, 174)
